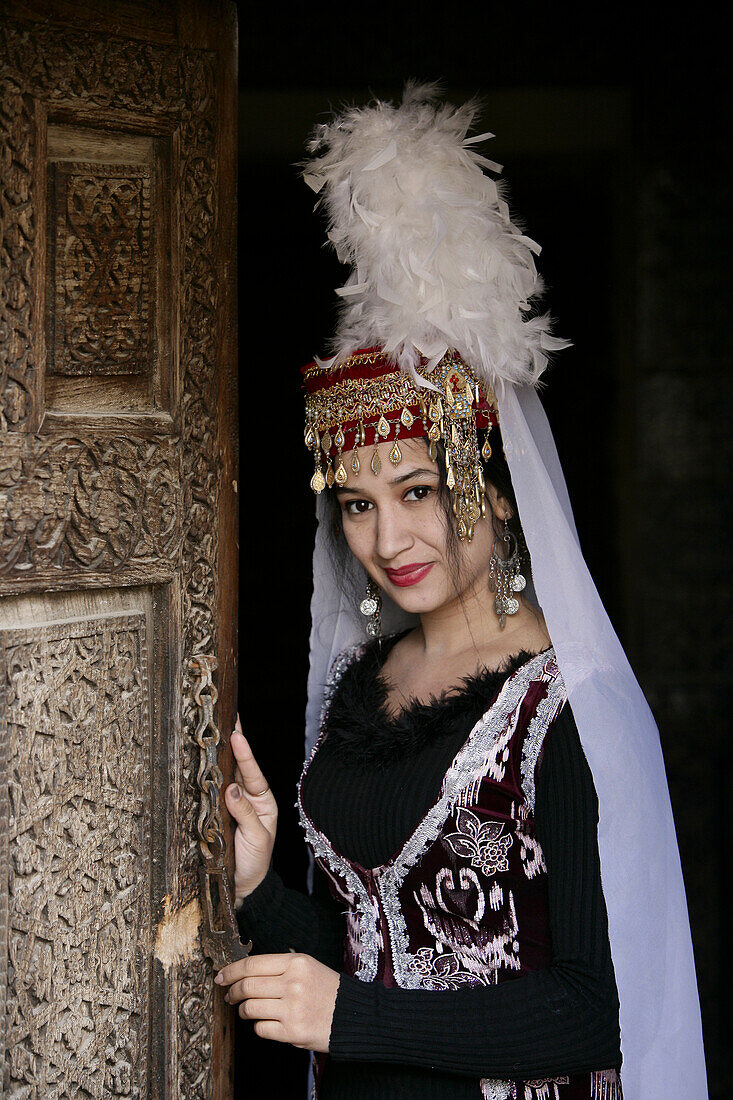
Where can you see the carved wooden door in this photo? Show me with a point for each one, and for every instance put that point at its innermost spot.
(117, 540)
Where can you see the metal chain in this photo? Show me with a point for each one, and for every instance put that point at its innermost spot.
(208, 738)
(219, 934)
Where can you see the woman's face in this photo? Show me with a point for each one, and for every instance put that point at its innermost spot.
(395, 525)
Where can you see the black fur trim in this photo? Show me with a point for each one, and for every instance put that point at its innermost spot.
(360, 731)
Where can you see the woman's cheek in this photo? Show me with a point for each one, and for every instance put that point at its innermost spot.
(358, 539)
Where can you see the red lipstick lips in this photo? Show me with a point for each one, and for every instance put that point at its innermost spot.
(409, 574)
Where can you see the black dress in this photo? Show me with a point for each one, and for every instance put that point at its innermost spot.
(368, 785)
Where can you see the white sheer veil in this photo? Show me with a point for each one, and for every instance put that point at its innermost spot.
(661, 1034)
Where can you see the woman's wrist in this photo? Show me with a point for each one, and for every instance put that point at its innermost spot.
(243, 893)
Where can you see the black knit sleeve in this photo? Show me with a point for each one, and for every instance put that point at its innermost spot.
(277, 918)
(561, 1020)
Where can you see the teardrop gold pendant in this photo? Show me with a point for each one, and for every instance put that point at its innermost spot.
(395, 455)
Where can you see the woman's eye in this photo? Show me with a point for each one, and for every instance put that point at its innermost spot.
(419, 492)
(357, 507)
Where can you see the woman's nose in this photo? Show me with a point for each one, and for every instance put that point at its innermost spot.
(393, 534)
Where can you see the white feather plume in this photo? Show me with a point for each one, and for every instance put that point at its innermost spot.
(436, 261)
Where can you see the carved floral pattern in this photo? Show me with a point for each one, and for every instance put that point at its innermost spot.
(75, 710)
(102, 280)
(69, 505)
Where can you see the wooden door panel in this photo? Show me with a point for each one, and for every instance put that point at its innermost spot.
(78, 769)
(117, 552)
(83, 509)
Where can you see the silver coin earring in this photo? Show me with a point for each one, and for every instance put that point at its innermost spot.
(371, 606)
(506, 575)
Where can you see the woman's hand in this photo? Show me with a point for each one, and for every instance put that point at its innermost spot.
(252, 805)
(291, 997)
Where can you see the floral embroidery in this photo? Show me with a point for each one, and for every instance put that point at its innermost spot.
(481, 842)
(443, 972)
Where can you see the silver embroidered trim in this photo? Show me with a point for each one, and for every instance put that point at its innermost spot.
(338, 668)
(492, 1089)
(471, 762)
(368, 943)
(368, 950)
(547, 710)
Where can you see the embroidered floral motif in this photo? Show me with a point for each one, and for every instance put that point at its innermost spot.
(482, 842)
(443, 972)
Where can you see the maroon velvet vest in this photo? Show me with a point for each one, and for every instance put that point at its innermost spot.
(464, 900)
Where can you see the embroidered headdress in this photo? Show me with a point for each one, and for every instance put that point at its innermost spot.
(439, 294)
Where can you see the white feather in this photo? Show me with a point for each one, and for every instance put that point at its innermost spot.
(436, 261)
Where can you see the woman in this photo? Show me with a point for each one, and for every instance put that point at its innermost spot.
(449, 801)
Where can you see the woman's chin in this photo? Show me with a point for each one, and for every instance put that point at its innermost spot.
(415, 601)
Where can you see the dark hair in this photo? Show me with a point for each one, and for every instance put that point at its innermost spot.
(496, 472)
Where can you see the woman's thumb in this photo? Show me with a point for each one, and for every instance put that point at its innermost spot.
(239, 807)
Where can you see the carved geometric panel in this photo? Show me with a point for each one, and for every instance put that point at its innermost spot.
(74, 712)
(103, 285)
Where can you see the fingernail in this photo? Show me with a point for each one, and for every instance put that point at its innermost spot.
(219, 979)
(235, 791)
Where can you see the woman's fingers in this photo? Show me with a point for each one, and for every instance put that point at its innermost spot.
(252, 805)
(239, 805)
(258, 1008)
(253, 780)
(270, 987)
(232, 972)
(271, 965)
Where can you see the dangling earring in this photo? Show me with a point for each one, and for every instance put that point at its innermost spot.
(371, 606)
(506, 576)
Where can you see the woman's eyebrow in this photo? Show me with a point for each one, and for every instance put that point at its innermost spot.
(421, 472)
(413, 473)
